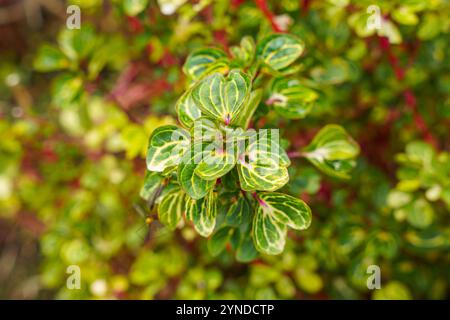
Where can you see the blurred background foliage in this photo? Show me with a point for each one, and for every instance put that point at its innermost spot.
(77, 108)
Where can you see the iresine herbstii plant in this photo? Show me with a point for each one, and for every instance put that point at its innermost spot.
(221, 174)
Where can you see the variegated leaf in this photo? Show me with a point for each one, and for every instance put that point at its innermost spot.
(277, 51)
(216, 159)
(245, 53)
(202, 61)
(191, 183)
(187, 110)
(269, 235)
(288, 210)
(222, 98)
(218, 241)
(152, 183)
(275, 212)
(203, 213)
(291, 99)
(238, 212)
(205, 130)
(265, 176)
(216, 162)
(264, 164)
(333, 151)
(171, 208)
(166, 147)
(244, 117)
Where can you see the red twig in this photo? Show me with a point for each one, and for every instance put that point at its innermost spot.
(262, 5)
(305, 4)
(408, 94)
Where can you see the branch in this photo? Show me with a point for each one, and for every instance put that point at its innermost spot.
(408, 94)
(262, 5)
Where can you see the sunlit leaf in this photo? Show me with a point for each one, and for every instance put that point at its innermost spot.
(151, 185)
(278, 51)
(191, 183)
(245, 53)
(200, 61)
(187, 110)
(203, 213)
(216, 162)
(275, 212)
(50, 58)
(244, 117)
(166, 147)
(420, 213)
(222, 98)
(78, 44)
(134, 7)
(264, 165)
(332, 151)
(291, 99)
(171, 208)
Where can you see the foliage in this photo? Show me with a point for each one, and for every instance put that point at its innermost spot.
(363, 116)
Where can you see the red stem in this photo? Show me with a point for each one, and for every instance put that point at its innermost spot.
(408, 94)
(262, 5)
(305, 6)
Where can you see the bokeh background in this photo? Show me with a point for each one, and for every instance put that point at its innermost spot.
(77, 108)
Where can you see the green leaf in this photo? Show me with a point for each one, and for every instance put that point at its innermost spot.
(78, 44)
(238, 212)
(308, 281)
(358, 21)
(191, 183)
(200, 62)
(166, 147)
(275, 212)
(50, 58)
(269, 235)
(205, 130)
(264, 176)
(213, 157)
(218, 241)
(264, 165)
(420, 214)
(216, 162)
(278, 51)
(222, 98)
(171, 208)
(245, 116)
(397, 199)
(418, 152)
(405, 15)
(429, 239)
(134, 7)
(430, 27)
(390, 30)
(288, 210)
(291, 99)
(187, 110)
(230, 181)
(203, 213)
(66, 89)
(246, 250)
(246, 52)
(152, 183)
(393, 290)
(332, 151)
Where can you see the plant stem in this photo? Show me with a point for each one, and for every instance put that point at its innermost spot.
(262, 5)
(408, 94)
